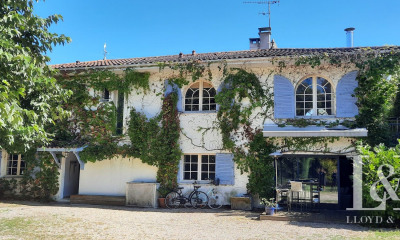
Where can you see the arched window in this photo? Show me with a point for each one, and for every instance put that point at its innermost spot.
(314, 97)
(200, 97)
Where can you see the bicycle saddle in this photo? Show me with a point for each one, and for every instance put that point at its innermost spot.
(179, 188)
(197, 187)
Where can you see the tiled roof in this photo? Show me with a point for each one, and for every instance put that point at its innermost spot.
(278, 52)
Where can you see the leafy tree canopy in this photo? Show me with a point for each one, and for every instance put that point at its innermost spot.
(29, 95)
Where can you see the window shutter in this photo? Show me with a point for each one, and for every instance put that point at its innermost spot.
(345, 102)
(283, 98)
(225, 169)
(179, 177)
(169, 88)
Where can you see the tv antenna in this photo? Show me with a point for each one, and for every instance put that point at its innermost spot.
(105, 51)
(269, 3)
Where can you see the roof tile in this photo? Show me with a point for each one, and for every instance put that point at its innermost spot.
(278, 52)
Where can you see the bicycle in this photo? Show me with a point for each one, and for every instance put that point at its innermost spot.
(196, 198)
(214, 197)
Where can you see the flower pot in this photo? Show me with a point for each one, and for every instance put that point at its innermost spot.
(161, 203)
(269, 211)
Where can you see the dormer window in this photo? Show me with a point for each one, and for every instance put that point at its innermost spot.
(314, 97)
(200, 96)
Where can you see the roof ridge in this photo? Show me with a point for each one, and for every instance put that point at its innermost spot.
(210, 56)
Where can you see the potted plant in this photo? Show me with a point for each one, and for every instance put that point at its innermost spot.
(162, 192)
(270, 206)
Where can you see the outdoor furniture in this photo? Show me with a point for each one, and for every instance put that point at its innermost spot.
(296, 188)
(282, 197)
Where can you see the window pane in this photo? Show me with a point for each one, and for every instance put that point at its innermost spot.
(299, 97)
(308, 90)
(212, 168)
(204, 167)
(300, 112)
(206, 108)
(211, 175)
(205, 92)
(186, 176)
(320, 90)
(308, 97)
(308, 105)
(211, 158)
(301, 89)
(206, 101)
(212, 92)
(204, 176)
(194, 176)
(194, 167)
(213, 107)
(195, 107)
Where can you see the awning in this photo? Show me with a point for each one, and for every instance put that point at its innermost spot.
(313, 131)
(53, 152)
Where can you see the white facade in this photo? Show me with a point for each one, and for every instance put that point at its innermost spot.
(109, 177)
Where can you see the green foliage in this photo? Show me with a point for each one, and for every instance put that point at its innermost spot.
(372, 159)
(156, 141)
(233, 115)
(193, 69)
(376, 92)
(94, 123)
(30, 95)
(7, 187)
(261, 167)
(40, 179)
(378, 82)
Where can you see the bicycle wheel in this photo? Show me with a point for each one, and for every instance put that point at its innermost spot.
(199, 199)
(172, 200)
(215, 200)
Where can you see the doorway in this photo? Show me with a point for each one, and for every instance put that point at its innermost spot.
(322, 170)
(71, 176)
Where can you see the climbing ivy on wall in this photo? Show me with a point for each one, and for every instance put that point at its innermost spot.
(156, 141)
(241, 95)
(93, 123)
(378, 80)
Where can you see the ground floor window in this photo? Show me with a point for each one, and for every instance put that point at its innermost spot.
(15, 165)
(198, 167)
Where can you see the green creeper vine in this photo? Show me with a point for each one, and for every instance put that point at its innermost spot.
(156, 141)
(233, 116)
(94, 123)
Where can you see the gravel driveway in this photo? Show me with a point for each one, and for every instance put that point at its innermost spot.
(29, 220)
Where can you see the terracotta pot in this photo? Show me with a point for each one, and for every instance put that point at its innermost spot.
(161, 203)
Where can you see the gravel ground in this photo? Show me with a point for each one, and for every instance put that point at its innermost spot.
(29, 220)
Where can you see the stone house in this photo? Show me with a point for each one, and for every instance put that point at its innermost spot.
(322, 93)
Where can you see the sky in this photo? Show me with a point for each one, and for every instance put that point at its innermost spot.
(139, 28)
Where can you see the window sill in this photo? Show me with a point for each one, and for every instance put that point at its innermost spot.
(13, 176)
(316, 117)
(190, 112)
(198, 182)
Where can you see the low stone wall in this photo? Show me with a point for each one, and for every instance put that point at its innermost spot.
(141, 194)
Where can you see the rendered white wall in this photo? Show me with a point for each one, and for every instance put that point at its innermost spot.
(109, 177)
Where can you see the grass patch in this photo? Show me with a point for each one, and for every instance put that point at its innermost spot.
(389, 234)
